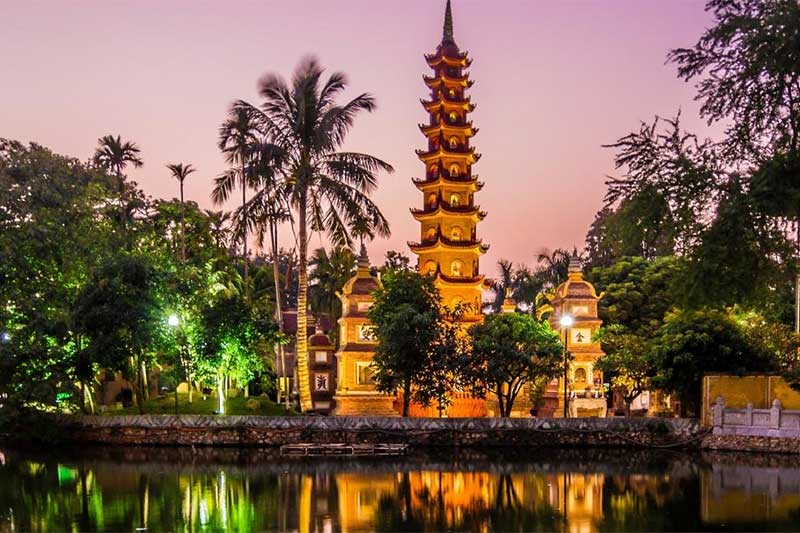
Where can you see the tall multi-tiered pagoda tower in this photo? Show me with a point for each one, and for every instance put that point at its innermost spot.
(449, 247)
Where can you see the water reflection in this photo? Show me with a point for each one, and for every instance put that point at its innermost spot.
(248, 490)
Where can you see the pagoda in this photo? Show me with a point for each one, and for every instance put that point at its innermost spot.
(449, 248)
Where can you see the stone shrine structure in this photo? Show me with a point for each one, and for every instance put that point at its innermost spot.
(578, 298)
(355, 387)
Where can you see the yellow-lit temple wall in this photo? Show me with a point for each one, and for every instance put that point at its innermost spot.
(738, 391)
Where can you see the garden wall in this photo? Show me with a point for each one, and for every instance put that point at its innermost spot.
(198, 430)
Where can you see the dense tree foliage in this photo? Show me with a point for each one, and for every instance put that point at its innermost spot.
(510, 351)
(80, 292)
(418, 344)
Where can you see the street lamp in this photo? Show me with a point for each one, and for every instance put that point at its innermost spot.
(5, 337)
(566, 323)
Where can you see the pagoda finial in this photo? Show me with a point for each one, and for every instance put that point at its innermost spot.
(575, 263)
(447, 35)
(363, 258)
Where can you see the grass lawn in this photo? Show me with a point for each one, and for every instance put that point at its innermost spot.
(165, 405)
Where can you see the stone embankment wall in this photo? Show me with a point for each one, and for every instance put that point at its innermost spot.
(197, 430)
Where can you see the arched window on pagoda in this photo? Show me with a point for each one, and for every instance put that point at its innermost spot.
(434, 170)
(430, 234)
(457, 268)
(453, 116)
(454, 170)
(453, 142)
(432, 200)
(452, 93)
(454, 200)
(430, 267)
(455, 233)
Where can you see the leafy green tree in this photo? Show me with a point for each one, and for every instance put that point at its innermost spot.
(509, 351)
(734, 262)
(418, 346)
(395, 261)
(694, 342)
(232, 336)
(637, 292)
(114, 155)
(669, 179)
(748, 73)
(54, 229)
(329, 188)
(627, 361)
(118, 312)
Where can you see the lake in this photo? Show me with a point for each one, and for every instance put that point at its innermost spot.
(254, 490)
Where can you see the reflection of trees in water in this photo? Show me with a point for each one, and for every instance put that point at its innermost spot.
(442, 503)
(598, 491)
(51, 497)
(655, 503)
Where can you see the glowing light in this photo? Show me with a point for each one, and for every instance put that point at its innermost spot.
(566, 321)
(5, 337)
(173, 320)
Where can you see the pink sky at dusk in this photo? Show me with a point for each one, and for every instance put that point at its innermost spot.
(553, 82)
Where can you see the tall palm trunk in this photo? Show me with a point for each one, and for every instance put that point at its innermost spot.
(183, 227)
(244, 238)
(303, 384)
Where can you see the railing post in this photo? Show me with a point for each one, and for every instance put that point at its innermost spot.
(775, 415)
(748, 415)
(717, 412)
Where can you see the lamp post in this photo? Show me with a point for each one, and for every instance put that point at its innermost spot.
(566, 322)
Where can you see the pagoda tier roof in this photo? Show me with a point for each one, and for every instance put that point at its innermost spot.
(454, 153)
(444, 80)
(461, 281)
(441, 242)
(442, 179)
(435, 130)
(443, 209)
(431, 106)
(441, 55)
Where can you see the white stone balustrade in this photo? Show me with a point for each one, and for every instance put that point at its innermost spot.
(772, 422)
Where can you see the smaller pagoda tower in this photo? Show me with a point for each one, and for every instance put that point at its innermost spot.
(355, 388)
(578, 299)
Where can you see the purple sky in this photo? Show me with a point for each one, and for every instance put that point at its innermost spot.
(553, 82)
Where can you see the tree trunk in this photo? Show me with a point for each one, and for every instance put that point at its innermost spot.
(244, 238)
(276, 278)
(189, 384)
(183, 227)
(628, 407)
(406, 397)
(797, 283)
(302, 314)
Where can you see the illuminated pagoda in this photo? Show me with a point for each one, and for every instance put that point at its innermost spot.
(449, 247)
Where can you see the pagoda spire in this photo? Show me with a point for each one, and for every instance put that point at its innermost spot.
(447, 34)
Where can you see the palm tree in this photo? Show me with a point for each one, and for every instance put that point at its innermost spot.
(269, 207)
(114, 156)
(331, 272)
(552, 267)
(329, 189)
(218, 226)
(180, 172)
(238, 137)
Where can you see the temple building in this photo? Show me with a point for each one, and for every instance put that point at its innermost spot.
(577, 298)
(449, 247)
(355, 386)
